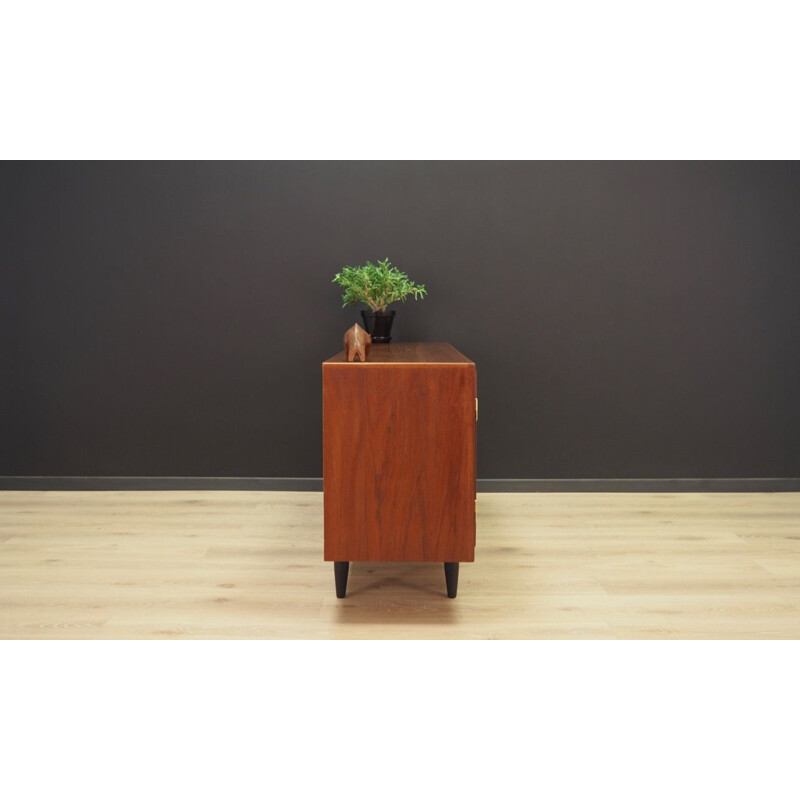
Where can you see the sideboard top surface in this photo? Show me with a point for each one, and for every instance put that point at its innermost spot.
(406, 353)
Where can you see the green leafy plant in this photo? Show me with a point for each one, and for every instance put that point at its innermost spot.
(376, 285)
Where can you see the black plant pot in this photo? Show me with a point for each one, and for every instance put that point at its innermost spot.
(378, 325)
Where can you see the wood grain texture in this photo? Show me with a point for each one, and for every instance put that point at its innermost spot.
(399, 461)
(242, 565)
(409, 353)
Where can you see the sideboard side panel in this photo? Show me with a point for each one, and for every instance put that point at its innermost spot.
(399, 462)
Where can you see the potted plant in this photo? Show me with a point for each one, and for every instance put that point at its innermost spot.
(377, 285)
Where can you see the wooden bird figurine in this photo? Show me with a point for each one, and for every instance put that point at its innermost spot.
(357, 343)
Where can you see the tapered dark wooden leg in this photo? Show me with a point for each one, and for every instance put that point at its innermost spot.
(340, 570)
(451, 576)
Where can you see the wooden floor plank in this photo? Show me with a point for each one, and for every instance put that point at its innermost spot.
(239, 565)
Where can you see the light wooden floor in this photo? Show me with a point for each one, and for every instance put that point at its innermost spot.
(221, 565)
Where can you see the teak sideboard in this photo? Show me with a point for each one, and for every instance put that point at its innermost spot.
(399, 457)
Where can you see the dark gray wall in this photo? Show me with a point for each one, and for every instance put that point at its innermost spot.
(628, 320)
